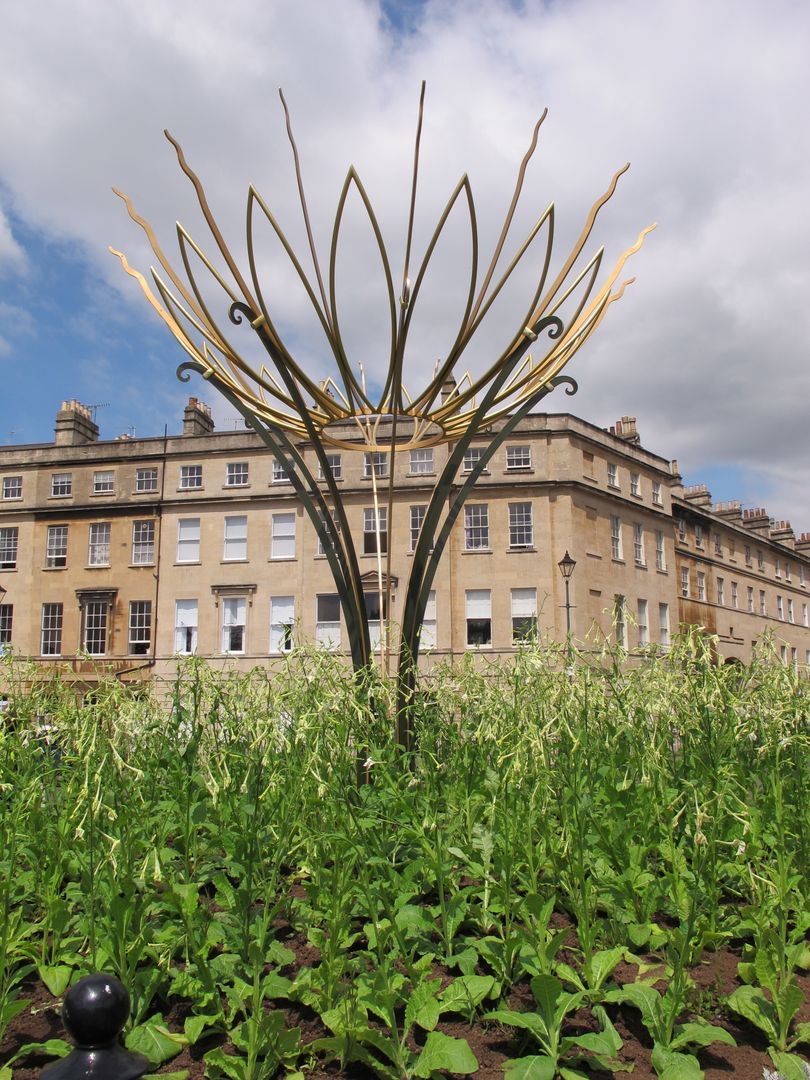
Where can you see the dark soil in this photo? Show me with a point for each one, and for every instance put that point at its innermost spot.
(713, 980)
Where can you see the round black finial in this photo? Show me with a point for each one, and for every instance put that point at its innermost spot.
(96, 1010)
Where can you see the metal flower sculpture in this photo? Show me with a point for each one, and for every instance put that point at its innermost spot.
(290, 409)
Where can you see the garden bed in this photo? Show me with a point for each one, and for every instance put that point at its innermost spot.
(573, 875)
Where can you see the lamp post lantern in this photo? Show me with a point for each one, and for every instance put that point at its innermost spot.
(567, 566)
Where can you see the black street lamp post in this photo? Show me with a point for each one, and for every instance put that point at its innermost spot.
(567, 565)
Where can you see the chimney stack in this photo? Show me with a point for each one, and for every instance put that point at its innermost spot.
(74, 425)
(757, 521)
(698, 495)
(197, 419)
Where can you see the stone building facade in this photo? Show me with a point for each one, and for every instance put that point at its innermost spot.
(118, 556)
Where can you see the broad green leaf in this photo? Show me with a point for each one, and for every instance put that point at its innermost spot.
(443, 1053)
(275, 986)
(56, 978)
(573, 1074)
(700, 1033)
(546, 990)
(750, 1002)
(535, 1067)
(279, 954)
(194, 1026)
(178, 1074)
(5, 1073)
(791, 1066)
(674, 1066)
(235, 1068)
(802, 1033)
(466, 993)
(154, 1040)
(788, 1000)
(526, 1021)
(50, 1048)
(422, 1007)
(603, 963)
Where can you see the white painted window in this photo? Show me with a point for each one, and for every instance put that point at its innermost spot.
(417, 518)
(282, 539)
(98, 553)
(718, 544)
(188, 540)
(9, 538)
(421, 461)
(236, 474)
(638, 544)
(734, 592)
(12, 487)
(699, 536)
(280, 474)
(805, 621)
(51, 630)
(234, 624)
(750, 597)
(62, 484)
(762, 604)
(185, 626)
(701, 585)
(282, 619)
(656, 493)
(524, 615)
(140, 627)
(616, 537)
(721, 591)
(336, 524)
(684, 581)
(95, 616)
(663, 625)
(635, 484)
(56, 547)
(790, 613)
(143, 543)
(476, 527)
(375, 530)
(471, 458)
(146, 480)
(478, 610)
(375, 461)
(660, 555)
(333, 466)
(780, 607)
(327, 620)
(643, 628)
(103, 482)
(620, 620)
(612, 474)
(191, 477)
(235, 546)
(428, 634)
(6, 625)
(518, 457)
(521, 530)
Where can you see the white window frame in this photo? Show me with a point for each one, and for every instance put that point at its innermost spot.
(336, 523)
(12, 487)
(763, 607)
(376, 460)
(699, 536)
(104, 482)
(50, 629)
(478, 615)
(805, 616)
(282, 536)
(613, 475)
(188, 540)
(56, 547)
(146, 480)
(701, 585)
(98, 543)
(280, 474)
(233, 625)
(521, 525)
(656, 493)
(6, 626)
(186, 624)
(428, 634)
(140, 627)
(235, 539)
(721, 592)
(420, 462)
(519, 458)
(660, 551)
(61, 485)
(95, 627)
(734, 594)
(524, 615)
(616, 538)
(327, 630)
(620, 619)
(334, 465)
(635, 484)
(791, 617)
(476, 527)
(750, 598)
(780, 608)
(685, 582)
(191, 477)
(143, 542)
(9, 546)
(638, 544)
(417, 520)
(237, 474)
(643, 623)
(282, 620)
(663, 625)
(375, 520)
(472, 456)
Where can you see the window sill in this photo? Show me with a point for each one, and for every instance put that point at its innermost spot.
(636, 495)
(52, 569)
(640, 565)
(235, 487)
(613, 487)
(186, 490)
(61, 497)
(189, 562)
(11, 498)
(619, 562)
(100, 494)
(477, 551)
(663, 571)
(142, 565)
(519, 469)
(152, 491)
(287, 558)
(97, 566)
(518, 549)
(232, 562)
(410, 475)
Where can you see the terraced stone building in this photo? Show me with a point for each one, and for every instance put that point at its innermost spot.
(116, 556)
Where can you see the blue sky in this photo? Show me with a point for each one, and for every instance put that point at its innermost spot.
(709, 348)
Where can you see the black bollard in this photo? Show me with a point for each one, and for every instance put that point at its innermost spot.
(95, 1012)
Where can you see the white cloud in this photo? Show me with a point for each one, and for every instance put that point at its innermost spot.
(709, 348)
